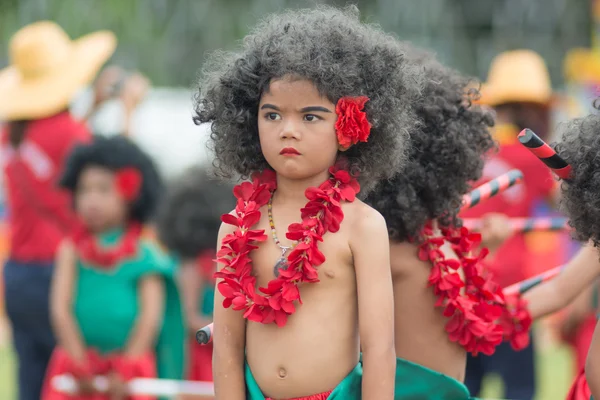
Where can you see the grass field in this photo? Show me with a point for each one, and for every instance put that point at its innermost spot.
(7, 377)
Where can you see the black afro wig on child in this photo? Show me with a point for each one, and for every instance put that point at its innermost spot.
(341, 56)
(445, 156)
(189, 217)
(580, 147)
(115, 153)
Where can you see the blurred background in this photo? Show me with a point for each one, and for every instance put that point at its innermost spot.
(167, 40)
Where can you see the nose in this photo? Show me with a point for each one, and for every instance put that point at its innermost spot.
(290, 130)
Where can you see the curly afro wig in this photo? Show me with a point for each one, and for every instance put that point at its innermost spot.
(580, 147)
(446, 153)
(341, 56)
(189, 217)
(115, 153)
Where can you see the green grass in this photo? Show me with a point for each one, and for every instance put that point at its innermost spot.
(555, 372)
(7, 374)
(554, 375)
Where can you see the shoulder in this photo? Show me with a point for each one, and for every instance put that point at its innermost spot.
(404, 258)
(365, 220)
(66, 250)
(226, 229)
(149, 253)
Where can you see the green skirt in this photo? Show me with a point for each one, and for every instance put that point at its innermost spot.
(415, 382)
(348, 389)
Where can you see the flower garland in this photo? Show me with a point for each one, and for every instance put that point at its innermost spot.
(89, 251)
(480, 317)
(323, 213)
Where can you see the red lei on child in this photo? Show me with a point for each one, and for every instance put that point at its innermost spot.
(480, 316)
(322, 213)
(89, 251)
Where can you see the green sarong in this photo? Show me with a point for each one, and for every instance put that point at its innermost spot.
(348, 389)
(415, 382)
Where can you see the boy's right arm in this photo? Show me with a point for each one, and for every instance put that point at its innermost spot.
(61, 303)
(229, 343)
(581, 271)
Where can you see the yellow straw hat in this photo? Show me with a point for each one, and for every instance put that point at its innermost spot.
(48, 68)
(517, 76)
(582, 66)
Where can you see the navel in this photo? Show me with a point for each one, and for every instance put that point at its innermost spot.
(282, 373)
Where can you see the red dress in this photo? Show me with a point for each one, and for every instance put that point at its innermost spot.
(61, 364)
(580, 389)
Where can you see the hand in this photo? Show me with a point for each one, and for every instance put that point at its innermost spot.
(117, 387)
(134, 90)
(495, 229)
(106, 82)
(86, 386)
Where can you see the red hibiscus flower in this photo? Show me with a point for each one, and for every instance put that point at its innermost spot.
(129, 182)
(352, 125)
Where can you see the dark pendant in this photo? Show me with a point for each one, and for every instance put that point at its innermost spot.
(281, 264)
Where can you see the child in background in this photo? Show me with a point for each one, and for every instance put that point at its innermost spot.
(420, 206)
(188, 224)
(311, 100)
(114, 307)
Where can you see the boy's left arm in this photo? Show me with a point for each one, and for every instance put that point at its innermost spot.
(371, 252)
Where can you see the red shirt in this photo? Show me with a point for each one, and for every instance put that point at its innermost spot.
(510, 263)
(39, 212)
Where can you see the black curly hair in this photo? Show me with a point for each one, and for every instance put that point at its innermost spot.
(446, 153)
(189, 216)
(341, 56)
(580, 147)
(114, 153)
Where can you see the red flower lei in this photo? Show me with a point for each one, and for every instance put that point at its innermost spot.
(322, 213)
(89, 252)
(480, 317)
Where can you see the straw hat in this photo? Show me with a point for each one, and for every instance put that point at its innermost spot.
(517, 76)
(48, 68)
(582, 66)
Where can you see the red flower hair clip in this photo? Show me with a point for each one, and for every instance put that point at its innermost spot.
(129, 182)
(352, 125)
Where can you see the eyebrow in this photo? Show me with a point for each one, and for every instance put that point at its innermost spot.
(315, 108)
(303, 110)
(271, 106)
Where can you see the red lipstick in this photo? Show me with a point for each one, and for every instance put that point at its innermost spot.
(289, 151)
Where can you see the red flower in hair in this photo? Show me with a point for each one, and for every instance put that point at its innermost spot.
(129, 182)
(352, 125)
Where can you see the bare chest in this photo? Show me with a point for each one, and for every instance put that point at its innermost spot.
(273, 253)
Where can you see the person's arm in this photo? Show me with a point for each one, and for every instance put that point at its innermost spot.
(592, 364)
(229, 344)
(151, 298)
(551, 296)
(61, 304)
(371, 253)
(134, 91)
(103, 87)
(190, 285)
(577, 312)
